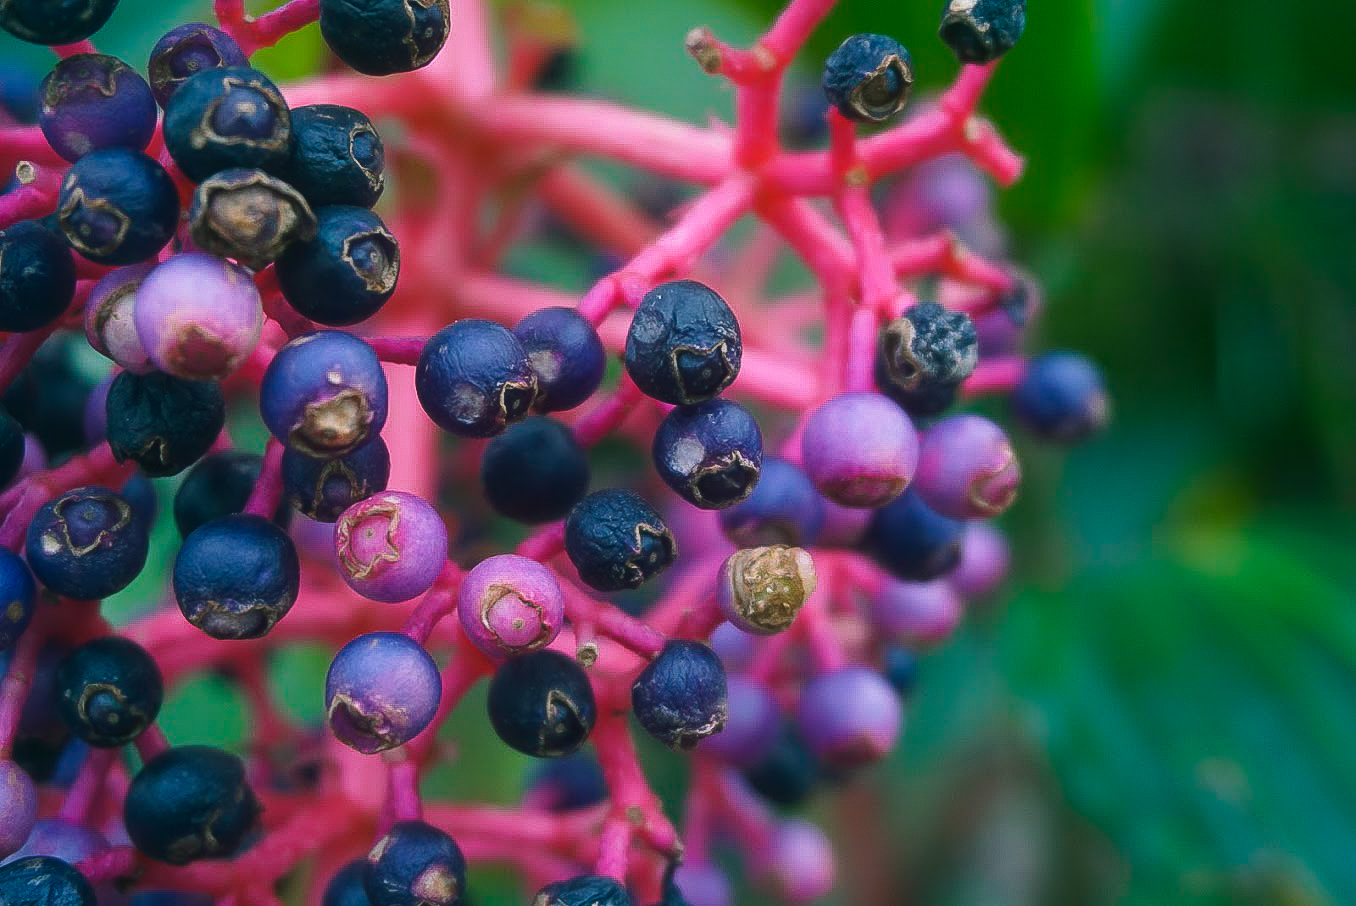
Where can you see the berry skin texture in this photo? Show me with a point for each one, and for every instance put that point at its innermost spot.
(337, 156)
(917, 613)
(682, 696)
(911, 541)
(220, 119)
(346, 888)
(345, 272)
(44, 22)
(92, 101)
(761, 589)
(237, 576)
(474, 379)
(321, 489)
(117, 206)
(535, 471)
(17, 598)
(87, 544)
(510, 605)
(784, 508)
(922, 357)
(186, 50)
(198, 317)
(859, 449)
(616, 540)
(711, 453)
(249, 216)
(869, 78)
(163, 423)
(390, 546)
(381, 691)
(44, 881)
(110, 318)
(37, 276)
(684, 344)
(18, 807)
(190, 803)
(967, 468)
(981, 31)
(567, 355)
(109, 691)
(750, 729)
(1061, 398)
(415, 864)
(585, 890)
(383, 37)
(324, 394)
(541, 704)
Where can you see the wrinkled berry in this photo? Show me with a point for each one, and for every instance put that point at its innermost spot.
(681, 697)
(684, 344)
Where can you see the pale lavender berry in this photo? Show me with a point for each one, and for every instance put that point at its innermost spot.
(733, 646)
(381, 691)
(799, 862)
(967, 468)
(110, 321)
(703, 884)
(198, 316)
(849, 716)
(390, 546)
(18, 807)
(859, 449)
(844, 526)
(752, 723)
(510, 605)
(983, 563)
(917, 613)
(761, 589)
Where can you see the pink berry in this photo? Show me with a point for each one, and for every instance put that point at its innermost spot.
(510, 605)
(966, 468)
(110, 318)
(390, 546)
(917, 612)
(198, 316)
(859, 449)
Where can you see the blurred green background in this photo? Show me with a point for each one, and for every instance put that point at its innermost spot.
(1163, 708)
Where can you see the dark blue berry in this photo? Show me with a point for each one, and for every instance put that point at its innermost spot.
(616, 540)
(868, 78)
(218, 485)
(474, 379)
(11, 447)
(236, 576)
(17, 597)
(535, 471)
(346, 272)
(108, 691)
(382, 37)
(163, 423)
(682, 697)
(87, 544)
(566, 354)
(788, 773)
(43, 881)
(981, 31)
(324, 394)
(784, 508)
(911, 541)
(1061, 398)
(140, 493)
(117, 206)
(415, 864)
(585, 890)
(41, 735)
(900, 669)
(37, 276)
(321, 489)
(337, 156)
(185, 51)
(92, 101)
(922, 357)
(542, 704)
(190, 803)
(684, 345)
(346, 888)
(710, 453)
(219, 119)
(563, 784)
(19, 94)
(55, 21)
(48, 397)
(248, 216)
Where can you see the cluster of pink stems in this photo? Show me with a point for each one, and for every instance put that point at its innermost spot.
(474, 140)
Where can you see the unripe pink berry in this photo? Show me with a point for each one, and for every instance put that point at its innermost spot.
(859, 449)
(198, 316)
(983, 564)
(800, 862)
(966, 468)
(391, 546)
(510, 605)
(110, 318)
(917, 613)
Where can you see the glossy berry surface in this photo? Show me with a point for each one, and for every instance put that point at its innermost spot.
(535, 471)
(922, 357)
(981, 31)
(218, 485)
(565, 353)
(784, 508)
(44, 881)
(87, 544)
(109, 691)
(381, 691)
(381, 37)
(248, 216)
(218, 119)
(859, 449)
(186, 50)
(322, 489)
(869, 78)
(337, 156)
(916, 613)
(110, 318)
(684, 344)
(161, 422)
(1061, 398)
(761, 589)
(710, 453)
(850, 716)
(474, 378)
(324, 394)
(17, 598)
(37, 276)
(415, 864)
(585, 890)
(18, 807)
(616, 540)
(510, 605)
(912, 541)
(542, 704)
(197, 316)
(682, 696)
(346, 888)
(236, 576)
(190, 803)
(345, 272)
(967, 468)
(117, 206)
(390, 546)
(93, 101)
(44, 22)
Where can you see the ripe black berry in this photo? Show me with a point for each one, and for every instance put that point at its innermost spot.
(219, 119)
(218, 485)
(542, 704)
(868, 78)
(382, 37)
(186, 50)
(117, 206)
(236, 576)
(108, 691)
(337, 156)
(1061, 398)
(190, 803)
(345, 272)
(682, 696)
(566, 354)
(585, 890)
(324, 394)
(43, 881)
(92, 101)
(37, 276)
(710, 453)
(45, 22)
(474, 379)
(535, 471)
(981, 31)
(87, 544)
(911, 541)
(616, 540)
(922, 357)
(321, 489)
(164, 423)
(684, 344)
(415, 864)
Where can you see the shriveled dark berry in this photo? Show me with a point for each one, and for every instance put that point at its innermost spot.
(682, 697)
(585, 890)
(415, 864)
(87, 544)
(321, 489)
(43, 881)
(383, 37)
(711, 454)
(868, 78)
(684, 344)
(249, 216)
(163, 423)
(109, 691)
(337, 156)
(616, 540)
(190, 803)
(186, 50)
(981, 31)
(61, 22)
(117, 206)
(922, 357)
(236, 576)
(345, 272)
(224, 118)
(542, 704)
(474, 379)
(535, 471)
(37, 276)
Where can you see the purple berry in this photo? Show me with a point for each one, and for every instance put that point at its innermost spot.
(391, 546)
(187, 50)
(966, 468)
(110, 318)
(510, 605)
(198, 316)
(733, 646)
(324, 394)
(800, 862)
(702, 884)
(784, 508)
(917, 613)
(710, 453)
(844, 526)
(912, 541)
(18, 807)
(92, 101)
(761, 589)
(859, 449)
(381, 691)
(850, 716)
(983, 563)
(566, 354)
(751, 725)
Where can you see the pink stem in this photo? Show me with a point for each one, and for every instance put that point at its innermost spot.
(17, 679)
(273, 26)
(859, 367)
(606, 416)
(543, 544)
(398, 350)
(268, 489)
(994, 376)
(70, 50)
(88, 786)
(17, 350)
(793, 27)
(612, 623)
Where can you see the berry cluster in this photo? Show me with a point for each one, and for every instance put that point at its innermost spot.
(214, 236)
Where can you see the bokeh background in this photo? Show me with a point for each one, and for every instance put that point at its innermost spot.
(1162, 709)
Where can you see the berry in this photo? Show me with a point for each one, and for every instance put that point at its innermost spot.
(87, 544)
(198, 317)
(344, 273)
(11, 449)
(788, 773)
(981, 31)
(390, 546)
(381, 691)
(346, 888)
(510, 605)
(218, 485)
(911, 541)
(585, 890)
(681, 697)
(43, 881)
(110, 318)
(761, 589)
(44, 22)
(474, 379)
(733, 646)
(916, 613)
(1061, 398)
(186, 50)
(869, 78)
(535, 471)
(567, 783)
(48, 397)
(108, 691)
(900, 669)
(1002, 329)
(922, 357)
(541, 704)
(248, 216)
(750, 729)
(415, 864)
(859, 449)
(684, 344)
(383, 37)
(17, 598)
(983, 562)
(616, 540)
(784, 508)
(850, 716)
(710, 453)
(92, 101)
(41, 734)
(566, 354)
(322, 489)
(800, 862)
(324, 394)
(190, 803)
(236, 576)
(219, 119)
(37, 276)
(18, 807)
(337, 156)
(163, 423)
(117, 206)
(966, 468)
